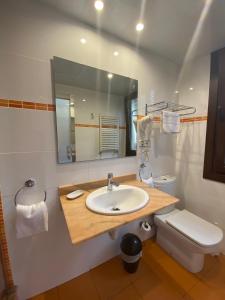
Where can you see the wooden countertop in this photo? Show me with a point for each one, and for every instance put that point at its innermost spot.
(84, 224)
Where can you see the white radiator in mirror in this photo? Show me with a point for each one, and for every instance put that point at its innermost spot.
(109, 133)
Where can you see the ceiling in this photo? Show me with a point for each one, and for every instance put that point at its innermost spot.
(169, 24)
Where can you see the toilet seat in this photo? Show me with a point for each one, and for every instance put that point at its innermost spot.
(195, 228)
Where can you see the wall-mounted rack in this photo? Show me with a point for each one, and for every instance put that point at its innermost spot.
(169, 106)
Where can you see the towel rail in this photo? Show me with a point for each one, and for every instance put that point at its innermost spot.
(170, 106)
(28, 184)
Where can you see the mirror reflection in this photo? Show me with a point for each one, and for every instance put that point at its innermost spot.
(96, 112)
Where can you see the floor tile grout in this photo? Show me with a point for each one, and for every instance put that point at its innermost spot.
(92, 280)
(137, 291)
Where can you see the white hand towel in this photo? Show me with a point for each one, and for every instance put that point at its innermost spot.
(149, 181)
(170, 122)
(31, 219)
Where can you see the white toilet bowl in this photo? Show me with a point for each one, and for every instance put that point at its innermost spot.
(182, 234)
(187, 237)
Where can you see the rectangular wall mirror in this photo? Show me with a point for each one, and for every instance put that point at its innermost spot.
(96, 112)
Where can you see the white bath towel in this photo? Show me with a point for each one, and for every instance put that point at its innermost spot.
(31, 219)
(170, 122)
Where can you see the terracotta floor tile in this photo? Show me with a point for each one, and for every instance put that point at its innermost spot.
(154, 251)
(147, 243)
(154, 287)
(215, 278)
(38, 297)
(49, 295)
(210, 263)
(110, 278)
(175, 272)
(159, 277)
(202, 292)
(170, 271)
(80, 288)
(128, 293)
(143, 271)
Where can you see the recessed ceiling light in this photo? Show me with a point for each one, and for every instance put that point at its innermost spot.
(110, 75)
(83, 41)
(176, 92)
(99, 5)
(84, 100)
(140, 26)
(191, 88)
(115, 53)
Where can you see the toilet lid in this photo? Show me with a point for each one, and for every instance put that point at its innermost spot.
(164, 179)
(195, 228)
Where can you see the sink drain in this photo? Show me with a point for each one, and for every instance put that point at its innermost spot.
(115, 208)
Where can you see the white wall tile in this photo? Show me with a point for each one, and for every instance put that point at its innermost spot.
(203, 197)
(19, 80)
(18, 167)
(31, 36)
(25, 130)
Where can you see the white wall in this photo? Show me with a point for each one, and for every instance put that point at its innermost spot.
(203, 197)
(30, 37)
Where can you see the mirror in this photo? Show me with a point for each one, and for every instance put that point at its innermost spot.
(96, 112)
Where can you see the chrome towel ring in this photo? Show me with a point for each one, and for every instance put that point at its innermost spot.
(28, 184)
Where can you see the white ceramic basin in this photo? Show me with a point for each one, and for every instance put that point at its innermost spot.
(121, 200)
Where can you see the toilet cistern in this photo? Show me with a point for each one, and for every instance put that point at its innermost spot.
(111, 183)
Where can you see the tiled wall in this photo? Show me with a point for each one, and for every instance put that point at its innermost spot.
(203, 197)
(31, 35)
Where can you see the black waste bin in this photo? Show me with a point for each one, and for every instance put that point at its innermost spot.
(131, 248)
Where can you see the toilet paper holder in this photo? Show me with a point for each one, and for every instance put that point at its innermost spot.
(146, 226)
(28, 184)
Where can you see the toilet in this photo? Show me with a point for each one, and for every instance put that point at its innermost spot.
(185, 236)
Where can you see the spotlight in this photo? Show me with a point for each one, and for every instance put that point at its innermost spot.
(99, 5)
(140, 26)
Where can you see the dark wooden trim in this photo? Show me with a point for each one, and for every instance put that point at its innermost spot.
(215, 142)
(129, 152)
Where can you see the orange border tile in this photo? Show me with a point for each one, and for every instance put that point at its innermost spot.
(15, 103)
(51, 107)
(194, 119)
(183, 120)
(4, 102)
(28, 105)
(41, 106)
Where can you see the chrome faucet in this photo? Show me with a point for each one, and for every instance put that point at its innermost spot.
(111, 183)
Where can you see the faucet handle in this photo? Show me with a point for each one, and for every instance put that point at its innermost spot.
(110, 175)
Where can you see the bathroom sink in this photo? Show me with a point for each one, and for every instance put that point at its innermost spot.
(121, 200)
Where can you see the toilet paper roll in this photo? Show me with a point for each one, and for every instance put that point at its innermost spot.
(146, 226)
